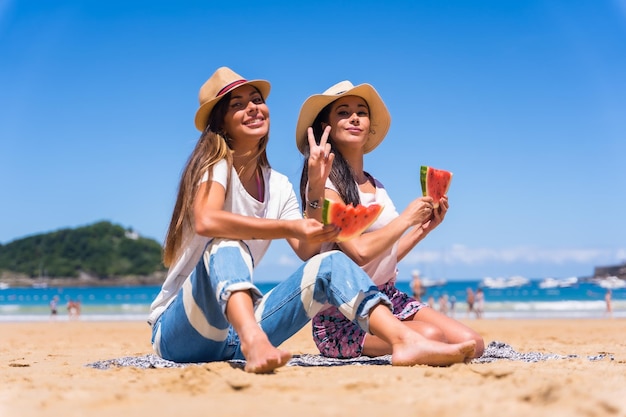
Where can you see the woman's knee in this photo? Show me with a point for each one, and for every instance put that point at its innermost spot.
(432, 332)
(325, 265)
(340, 264)
(469, 335)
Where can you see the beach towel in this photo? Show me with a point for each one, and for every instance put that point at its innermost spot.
(494, 351)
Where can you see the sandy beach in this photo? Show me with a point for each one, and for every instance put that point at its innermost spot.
(44, 373)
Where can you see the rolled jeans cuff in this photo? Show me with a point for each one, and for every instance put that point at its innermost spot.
(365, 308)
(227, 291)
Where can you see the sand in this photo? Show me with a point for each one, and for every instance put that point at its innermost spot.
(44, 374)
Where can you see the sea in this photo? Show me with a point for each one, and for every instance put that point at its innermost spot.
(529, 301)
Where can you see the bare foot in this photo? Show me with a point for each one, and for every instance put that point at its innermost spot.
(261, 356)
(422, 351)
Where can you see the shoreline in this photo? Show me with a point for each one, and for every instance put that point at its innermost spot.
(124, 303)
(13, 280)
(512, 311)
(84, 281)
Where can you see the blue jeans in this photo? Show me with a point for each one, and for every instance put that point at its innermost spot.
(194, 327)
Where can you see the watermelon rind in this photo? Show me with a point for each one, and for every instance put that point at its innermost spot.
(325, 210)
(423, 176)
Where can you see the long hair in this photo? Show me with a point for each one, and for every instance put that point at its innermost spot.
(212, 146)
(341, 174)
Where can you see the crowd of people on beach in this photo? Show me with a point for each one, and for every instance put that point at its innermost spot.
(475, 300)
(73, 308)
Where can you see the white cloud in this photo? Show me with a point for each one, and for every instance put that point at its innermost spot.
(461, 254)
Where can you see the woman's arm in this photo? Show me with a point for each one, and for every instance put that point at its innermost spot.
(368, 246)
(419, 232)
(211, 220)
(319, 163)
(409, 240)
(304, 235)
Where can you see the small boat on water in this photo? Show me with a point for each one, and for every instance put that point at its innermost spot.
(558, 283)
(611, 282)
(430, 282)
(4, 286)
(501, 282)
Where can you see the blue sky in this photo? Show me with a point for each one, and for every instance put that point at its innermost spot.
(524, 101)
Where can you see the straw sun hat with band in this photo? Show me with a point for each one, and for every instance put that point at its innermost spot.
(379, 115)
(223, 81)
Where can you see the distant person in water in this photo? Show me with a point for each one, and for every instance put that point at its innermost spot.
(443, 304)
(416, 286)
(452, 305)
(54, 306)
(609, 306)
(470, 300)
(479, 306)
(73, 309)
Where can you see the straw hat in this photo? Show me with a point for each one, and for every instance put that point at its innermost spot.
(380, 119)
(223, 81)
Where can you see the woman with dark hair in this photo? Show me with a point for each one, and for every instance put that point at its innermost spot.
(353, 120)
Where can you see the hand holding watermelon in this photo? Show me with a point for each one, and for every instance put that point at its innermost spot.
(312, 231)
(350, 219)
(435, 183)
(437, 215)
(419, 211)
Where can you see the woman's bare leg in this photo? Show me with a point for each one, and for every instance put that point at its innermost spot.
(433, 326)
(454, 331)
(408, 347)
(376, 346)
(261, 356)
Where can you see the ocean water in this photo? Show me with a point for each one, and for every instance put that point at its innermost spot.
(583, 300)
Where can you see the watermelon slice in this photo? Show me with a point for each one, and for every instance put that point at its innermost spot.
(435, 183)
(350, 219)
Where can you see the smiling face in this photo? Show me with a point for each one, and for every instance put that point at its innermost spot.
(350, 122)
(247, 117)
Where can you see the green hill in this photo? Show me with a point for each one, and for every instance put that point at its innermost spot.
(101, 250)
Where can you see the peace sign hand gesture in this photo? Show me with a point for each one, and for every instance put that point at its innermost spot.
(320, 158)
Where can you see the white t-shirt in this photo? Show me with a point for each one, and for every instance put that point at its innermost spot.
(280, 203)
(383, 268)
